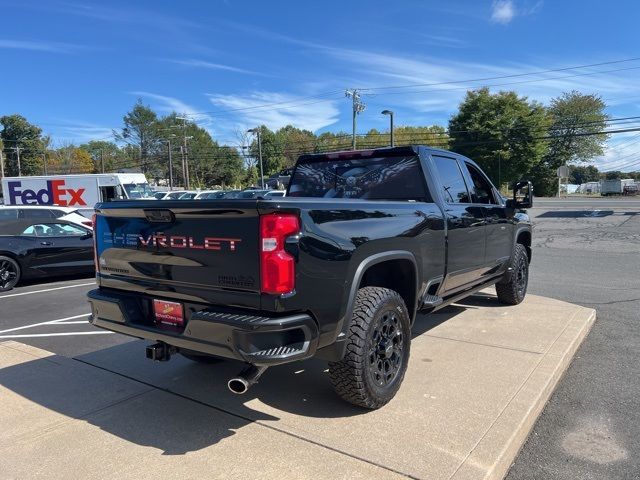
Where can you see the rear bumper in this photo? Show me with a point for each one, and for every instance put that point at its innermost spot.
(239, 335)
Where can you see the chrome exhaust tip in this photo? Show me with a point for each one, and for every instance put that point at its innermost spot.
(238, 385)
(245, 379)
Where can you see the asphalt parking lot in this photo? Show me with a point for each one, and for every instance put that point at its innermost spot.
(585, 252)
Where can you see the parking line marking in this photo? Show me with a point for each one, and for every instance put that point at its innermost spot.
(55, 334)
(46, 290)
(60, 320)
(76, 322)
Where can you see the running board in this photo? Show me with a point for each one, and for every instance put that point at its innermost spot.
(465, 293)
(431, 301)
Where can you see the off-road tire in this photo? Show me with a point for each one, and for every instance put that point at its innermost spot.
(512, 290)
(359, 378)
(10, 273)
(200, 357)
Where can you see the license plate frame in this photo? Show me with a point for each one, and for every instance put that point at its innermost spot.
(168, 313)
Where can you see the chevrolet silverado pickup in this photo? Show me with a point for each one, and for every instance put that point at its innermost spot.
(337, 269)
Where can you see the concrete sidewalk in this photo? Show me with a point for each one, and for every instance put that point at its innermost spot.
(480, 373)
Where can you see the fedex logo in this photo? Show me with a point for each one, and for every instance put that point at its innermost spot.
(54, 194)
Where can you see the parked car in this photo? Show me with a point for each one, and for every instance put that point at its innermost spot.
(228, 194)
(187, 195)
(274, 194)
(69, 214)
(337, 269)
(33, 247)
(173, 195)
(252, 194)
(207, 194)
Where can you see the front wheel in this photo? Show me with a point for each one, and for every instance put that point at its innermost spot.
(377, 351)
(513, 290)
(9, 273)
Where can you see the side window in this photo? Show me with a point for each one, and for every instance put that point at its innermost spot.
(8, 213)
(64, 230)
(453, 184)
(482, 191)
(36, 213)
(54, 230)
(29, 231)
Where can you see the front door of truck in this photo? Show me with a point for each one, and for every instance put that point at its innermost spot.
(499, 228)
(465, 226)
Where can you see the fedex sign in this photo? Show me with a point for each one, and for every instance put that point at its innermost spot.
(65, 192)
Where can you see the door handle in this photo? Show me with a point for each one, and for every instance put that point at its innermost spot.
(46, 243)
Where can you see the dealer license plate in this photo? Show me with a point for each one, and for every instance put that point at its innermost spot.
(168, 313)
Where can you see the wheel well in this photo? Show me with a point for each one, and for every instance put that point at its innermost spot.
(398, 275)
(524, 238)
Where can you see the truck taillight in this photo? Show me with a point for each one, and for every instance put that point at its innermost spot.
(277, 266)
(95, 241)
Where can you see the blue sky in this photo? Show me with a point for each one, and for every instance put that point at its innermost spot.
(75, 68)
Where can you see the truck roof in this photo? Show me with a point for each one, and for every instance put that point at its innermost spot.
(367, 153)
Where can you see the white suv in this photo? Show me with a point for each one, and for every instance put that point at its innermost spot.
(16, 212)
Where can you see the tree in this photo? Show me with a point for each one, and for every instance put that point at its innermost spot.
(502, 132)
(579, 174)
(70, 159)
(18, 133)
(105, 154)
(142, 130)
(576, 121)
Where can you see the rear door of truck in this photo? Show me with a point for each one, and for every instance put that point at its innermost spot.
(202, 251)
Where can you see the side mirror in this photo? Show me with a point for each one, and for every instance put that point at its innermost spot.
(522, 195)
(88, 234)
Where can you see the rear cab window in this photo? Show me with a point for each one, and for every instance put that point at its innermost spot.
(380, 178)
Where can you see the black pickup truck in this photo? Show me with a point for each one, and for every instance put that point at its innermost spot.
(337, 269)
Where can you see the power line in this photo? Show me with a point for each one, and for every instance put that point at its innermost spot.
(515, 75)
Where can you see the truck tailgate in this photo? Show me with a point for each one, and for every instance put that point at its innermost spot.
(202, 251)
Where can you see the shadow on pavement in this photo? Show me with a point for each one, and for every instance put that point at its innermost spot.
(182, 406)
(578, 214)
(59, 278)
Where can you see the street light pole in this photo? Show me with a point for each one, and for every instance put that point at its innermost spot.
(257, 131)
(390, 113)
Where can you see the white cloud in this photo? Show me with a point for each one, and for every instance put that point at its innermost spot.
(310, 115)
(53, 47)
(502, 11)
(171, 104)
(75, 131)
(212, 66)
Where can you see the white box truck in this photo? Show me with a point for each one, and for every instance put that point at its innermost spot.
(80, 191)
(614, 186)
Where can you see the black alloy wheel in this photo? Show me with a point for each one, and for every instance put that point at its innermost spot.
(385, 349)
(9, 273)
(377, 349)
(513, 288)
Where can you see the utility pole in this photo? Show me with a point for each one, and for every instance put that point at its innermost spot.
(184, 151)
(184, 168)
(357, 108)
(44, 162)
(1, 165)
(102, 160)
(170, 166)
(258, 133)
(17, 149)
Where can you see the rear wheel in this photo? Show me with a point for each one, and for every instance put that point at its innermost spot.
(377, 351)
(9, 273)
(513, 291)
